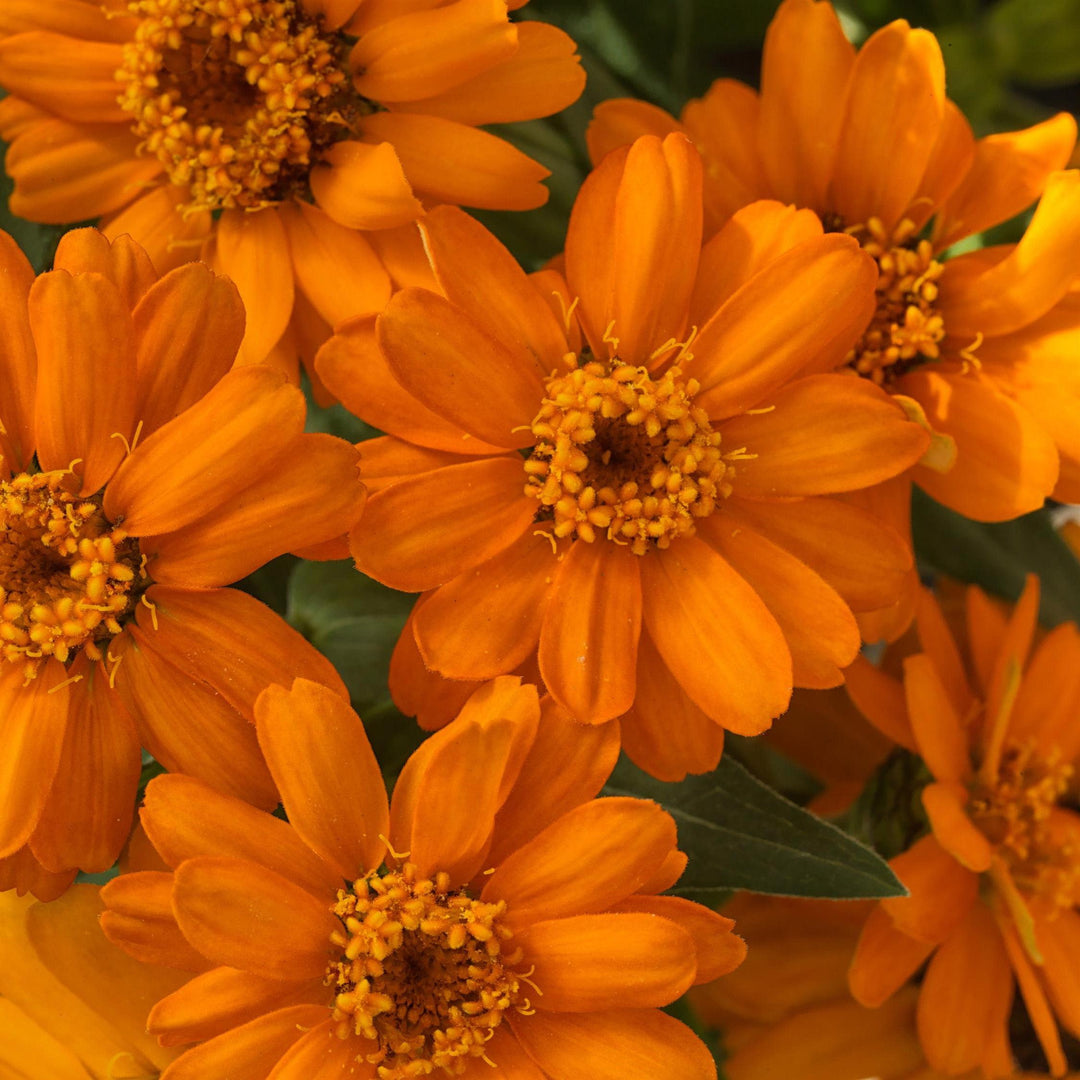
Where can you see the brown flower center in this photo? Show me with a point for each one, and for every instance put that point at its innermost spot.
(425, 976)
(68, 576)
(626, 455)
(236, 98)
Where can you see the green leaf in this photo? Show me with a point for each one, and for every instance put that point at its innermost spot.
(1037, 41)
(740, 834)
(998, 556)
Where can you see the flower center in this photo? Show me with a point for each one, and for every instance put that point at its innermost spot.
(1015, 815)
(425, 976)
(236, 98)
(906, 329)
(67, 575)
(626, 455)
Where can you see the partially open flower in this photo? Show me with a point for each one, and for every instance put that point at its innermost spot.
(492, 919)
(139, 473)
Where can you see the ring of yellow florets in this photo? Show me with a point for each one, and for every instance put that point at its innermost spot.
(425, 976)
(67, 575)
(236, 98)
(1014, 813)
(625, 455)
(906, 329)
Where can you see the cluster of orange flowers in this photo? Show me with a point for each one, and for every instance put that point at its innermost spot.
(645, 493)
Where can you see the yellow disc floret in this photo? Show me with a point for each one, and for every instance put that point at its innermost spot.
(426, 973)
(67, 575)
(236, 98)
(625, 455)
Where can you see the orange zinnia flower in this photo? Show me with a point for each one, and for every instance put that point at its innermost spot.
(995, 885)
(138, 476)
(664, 548)
(492, 914)
(982, 344)
(71, 1006)
(303, 123)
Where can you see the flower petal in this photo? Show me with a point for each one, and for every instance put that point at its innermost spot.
(185, 818)
(945, 804)
(363, 187)
(454, 163)
(629, 960)
(1060, 945)
(939, 729)
(486, 621)
(168, 237)
(457, 370)
(18, 362)
(76, 19)
(589, 639)
(428, 529)
(121, 261)
(617, 122)
(86, 374)
(242, 915)
(880, 698)
(330, 782)
(884, 960)
(22, 873)
(613, 1045)
(825, 434)
(717, 636)
(590, 858)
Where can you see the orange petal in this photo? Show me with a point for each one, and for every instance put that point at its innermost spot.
(567, 780)
(818, 626)
(222, 999)
(233, 643)
(1009, 171)
(948, 166)
(618, 122)
(186, 725)
(71, 17)
(754, 237)
(946, 806)
(33, 720)
(188, 328)
(18, 363)
(825, 434)
(942, 892)
(716, 949)
(320, 1055)
(443, 359)
(335, 266)
(885, 958)
(966, 994)
(121, 261)
(71, 78)
(454, 163)
(87, 818)
(352, 365)
(22, 873)
(483, 280)
(588, 644)
(627, 960)
(592, 857)
(889, 129)
(231, 437)
(613, 1045)
(65, 171)
(330, 783)
(986, 625)
(242, 915)
(804, 74)
(937, 641)
(811, 301)
(139, 919)
(86, 374)
(185, 818)
(639, 215)
(543, 77)
(170, 239)
(252, 1049)
(486, 621)
(419, 533)
(253, 250)
(939, 729)
(1011, 658)
(859, 555)
(880, 698)
(1045, 705)
(1006, 463)
(716, 636)
(402, 253)
(1059, 943)
(283, 511)
(425, 53)
(483, 751)
(386, 460)
(364, 187)
(1035, 274)
(665, 733)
